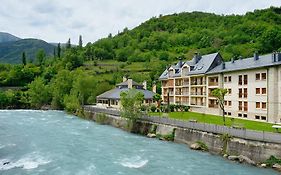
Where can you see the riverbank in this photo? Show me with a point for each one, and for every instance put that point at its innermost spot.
(236, 149)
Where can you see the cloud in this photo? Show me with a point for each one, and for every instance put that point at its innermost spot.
(56, 21)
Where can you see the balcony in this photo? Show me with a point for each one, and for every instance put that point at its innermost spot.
(198, 93)
(198, 104)
(213, 106)
(213, 84)
(198, 83)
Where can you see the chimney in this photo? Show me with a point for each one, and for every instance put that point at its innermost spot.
(274, 57)
(196, 58)
(154, 87)
(180, 62)
(124, 79)
(232, 60)
(278, 57)
(223, 65)
(256, 56)
(130, 83)
(144, 85)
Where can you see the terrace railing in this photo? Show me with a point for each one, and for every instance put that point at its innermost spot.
(212, 128)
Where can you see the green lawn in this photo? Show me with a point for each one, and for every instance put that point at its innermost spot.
(213, 119)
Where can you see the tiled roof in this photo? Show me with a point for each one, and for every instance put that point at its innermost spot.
(115, 93)
(125, 83)
(205, 63)
(248, 63)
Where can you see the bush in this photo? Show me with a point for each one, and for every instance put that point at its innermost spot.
(143, 108)
(153, 108)
(272, 160)
(202, 146)
(172, 108)
(186, 108)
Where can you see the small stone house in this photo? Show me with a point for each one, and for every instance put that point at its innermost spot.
(111, 98)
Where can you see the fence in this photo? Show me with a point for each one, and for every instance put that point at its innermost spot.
(217, 129)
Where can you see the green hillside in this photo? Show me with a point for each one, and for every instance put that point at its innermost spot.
(78, 74)
(11, 52)
(180, 35)
(6, 37)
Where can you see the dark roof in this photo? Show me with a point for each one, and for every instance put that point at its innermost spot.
(125, 83)
(115, 93)
(248, 63)
(205, 63)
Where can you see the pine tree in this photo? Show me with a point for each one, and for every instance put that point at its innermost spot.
(80, 41)
(59, 50)
(23, 58)
(68, 44)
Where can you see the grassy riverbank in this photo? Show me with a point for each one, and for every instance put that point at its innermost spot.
(213, 119)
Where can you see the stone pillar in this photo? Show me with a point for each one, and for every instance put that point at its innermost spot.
(154, 88)
(144, 85)
(130, 83)
(124, 79)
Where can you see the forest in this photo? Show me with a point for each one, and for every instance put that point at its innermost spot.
(74, 76)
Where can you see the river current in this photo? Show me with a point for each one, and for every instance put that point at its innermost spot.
(55, 143)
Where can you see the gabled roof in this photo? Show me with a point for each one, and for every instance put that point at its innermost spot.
(125, 83)
(115, 93)
(206, 63)
(248, 63)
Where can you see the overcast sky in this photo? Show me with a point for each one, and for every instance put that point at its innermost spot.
(58, 20)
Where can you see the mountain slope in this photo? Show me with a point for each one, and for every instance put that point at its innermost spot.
(180, 35)
(11, 52)
(6, 37)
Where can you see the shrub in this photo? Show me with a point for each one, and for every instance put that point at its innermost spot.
(202, 146)
(186, 108)
(143, 108)
(272, 160)
(172, 108)
(153, 108)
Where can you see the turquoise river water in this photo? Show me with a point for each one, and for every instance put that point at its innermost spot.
(54, 143)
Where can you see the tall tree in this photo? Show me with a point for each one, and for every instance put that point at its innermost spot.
(59, 50)
(40, 56)
(23, 58)
(80, 41)
(68, 44)
(219, 93)
(131, 102)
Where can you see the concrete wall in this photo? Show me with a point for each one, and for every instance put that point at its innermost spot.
(255, 150)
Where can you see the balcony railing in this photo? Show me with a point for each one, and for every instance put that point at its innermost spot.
(198, 104)
(198, 93)
(213, 106)
(198, 82)
(213, 83)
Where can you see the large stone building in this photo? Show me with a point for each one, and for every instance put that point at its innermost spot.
(254, 85)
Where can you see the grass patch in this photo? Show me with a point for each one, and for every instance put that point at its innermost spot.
(213, 119)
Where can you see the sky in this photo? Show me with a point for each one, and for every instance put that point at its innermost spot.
(58, 20)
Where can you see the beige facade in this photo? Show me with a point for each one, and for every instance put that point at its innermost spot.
(253, 94)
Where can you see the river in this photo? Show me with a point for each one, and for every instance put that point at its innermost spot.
(54, 143)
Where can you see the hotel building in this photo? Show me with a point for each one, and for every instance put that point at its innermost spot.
(254, 85)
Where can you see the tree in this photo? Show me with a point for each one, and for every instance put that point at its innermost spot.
(68, 44)
(80, 41)
(23, 58)
(40, 56)
(157, 98)
(131, 102)
(59, 50)
(38, 93)
(219, 93)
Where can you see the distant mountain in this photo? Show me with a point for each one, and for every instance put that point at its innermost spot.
(6, 37)
(11, 52)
